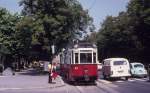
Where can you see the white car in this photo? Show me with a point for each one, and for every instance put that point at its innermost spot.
(138, 70)
(116, 68)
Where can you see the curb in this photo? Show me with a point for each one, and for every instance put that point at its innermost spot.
(29, 88)
(62, 84)
(104, 81)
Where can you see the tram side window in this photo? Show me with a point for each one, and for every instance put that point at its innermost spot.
(76, 58)
(94, 57)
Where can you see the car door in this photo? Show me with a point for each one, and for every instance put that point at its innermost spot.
(121, 68)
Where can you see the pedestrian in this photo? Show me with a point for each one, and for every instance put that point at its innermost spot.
(13, 69)
(54, 73)
(50, 73)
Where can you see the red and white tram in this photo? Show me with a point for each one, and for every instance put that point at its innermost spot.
(79, 62)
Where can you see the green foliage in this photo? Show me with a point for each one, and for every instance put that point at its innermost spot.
(7, 31)
(7, 36)
(127, 35)
(59, 21)
(42, 24)
(24, 33)
(139, 11)
(114, 36)
(92, 38)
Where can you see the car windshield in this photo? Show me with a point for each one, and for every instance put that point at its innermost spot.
(138, 66)
(120, 62)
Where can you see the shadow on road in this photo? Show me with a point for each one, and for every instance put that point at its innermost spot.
(79, 83)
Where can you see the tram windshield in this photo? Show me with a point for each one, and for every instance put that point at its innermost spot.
(85, 57)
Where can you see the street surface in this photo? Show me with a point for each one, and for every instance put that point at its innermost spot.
(26, 83)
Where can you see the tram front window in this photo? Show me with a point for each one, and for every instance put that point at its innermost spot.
(85, 57)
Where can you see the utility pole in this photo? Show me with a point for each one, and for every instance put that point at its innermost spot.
(50, 64)
(53, 49)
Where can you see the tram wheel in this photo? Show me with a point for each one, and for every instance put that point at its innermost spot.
(104, 76)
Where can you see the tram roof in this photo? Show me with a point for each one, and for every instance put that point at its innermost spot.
(84, 45)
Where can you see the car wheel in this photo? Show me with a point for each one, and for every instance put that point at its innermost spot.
(126, 78)
(145, 76)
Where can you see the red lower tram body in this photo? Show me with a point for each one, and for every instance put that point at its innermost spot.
(80, 72)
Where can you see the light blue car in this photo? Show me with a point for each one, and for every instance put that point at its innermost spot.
(138, 70)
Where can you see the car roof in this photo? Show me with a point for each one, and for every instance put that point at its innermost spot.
(136, 63)
(115, 59)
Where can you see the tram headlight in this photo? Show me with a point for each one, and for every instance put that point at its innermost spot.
(76, 68)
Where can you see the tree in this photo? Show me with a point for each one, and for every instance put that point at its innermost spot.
(92, 37)
(127, 35)
(60, 21)
(139, 11)
(7, 35)
(115, 38)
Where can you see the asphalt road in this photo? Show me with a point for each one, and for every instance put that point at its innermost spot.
(133, 85)
(118, 86)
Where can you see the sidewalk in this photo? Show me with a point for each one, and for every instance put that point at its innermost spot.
(28, 81)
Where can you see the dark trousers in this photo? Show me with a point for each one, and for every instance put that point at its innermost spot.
(49, 78)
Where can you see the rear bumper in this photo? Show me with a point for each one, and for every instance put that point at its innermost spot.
(139, 75)
(127, 75)
(84, 78)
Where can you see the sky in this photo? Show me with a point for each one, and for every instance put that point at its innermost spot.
(98, 9)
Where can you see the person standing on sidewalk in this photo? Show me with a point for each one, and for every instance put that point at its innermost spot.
(54, 73)
(50, 72)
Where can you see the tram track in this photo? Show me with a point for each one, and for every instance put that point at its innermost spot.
(93, 89)
(72, 89)
(66, 88)
(98, 88)
(79, 89)
(106, 88)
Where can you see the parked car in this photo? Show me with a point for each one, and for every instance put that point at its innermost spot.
(138, 70)
(116, 68)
